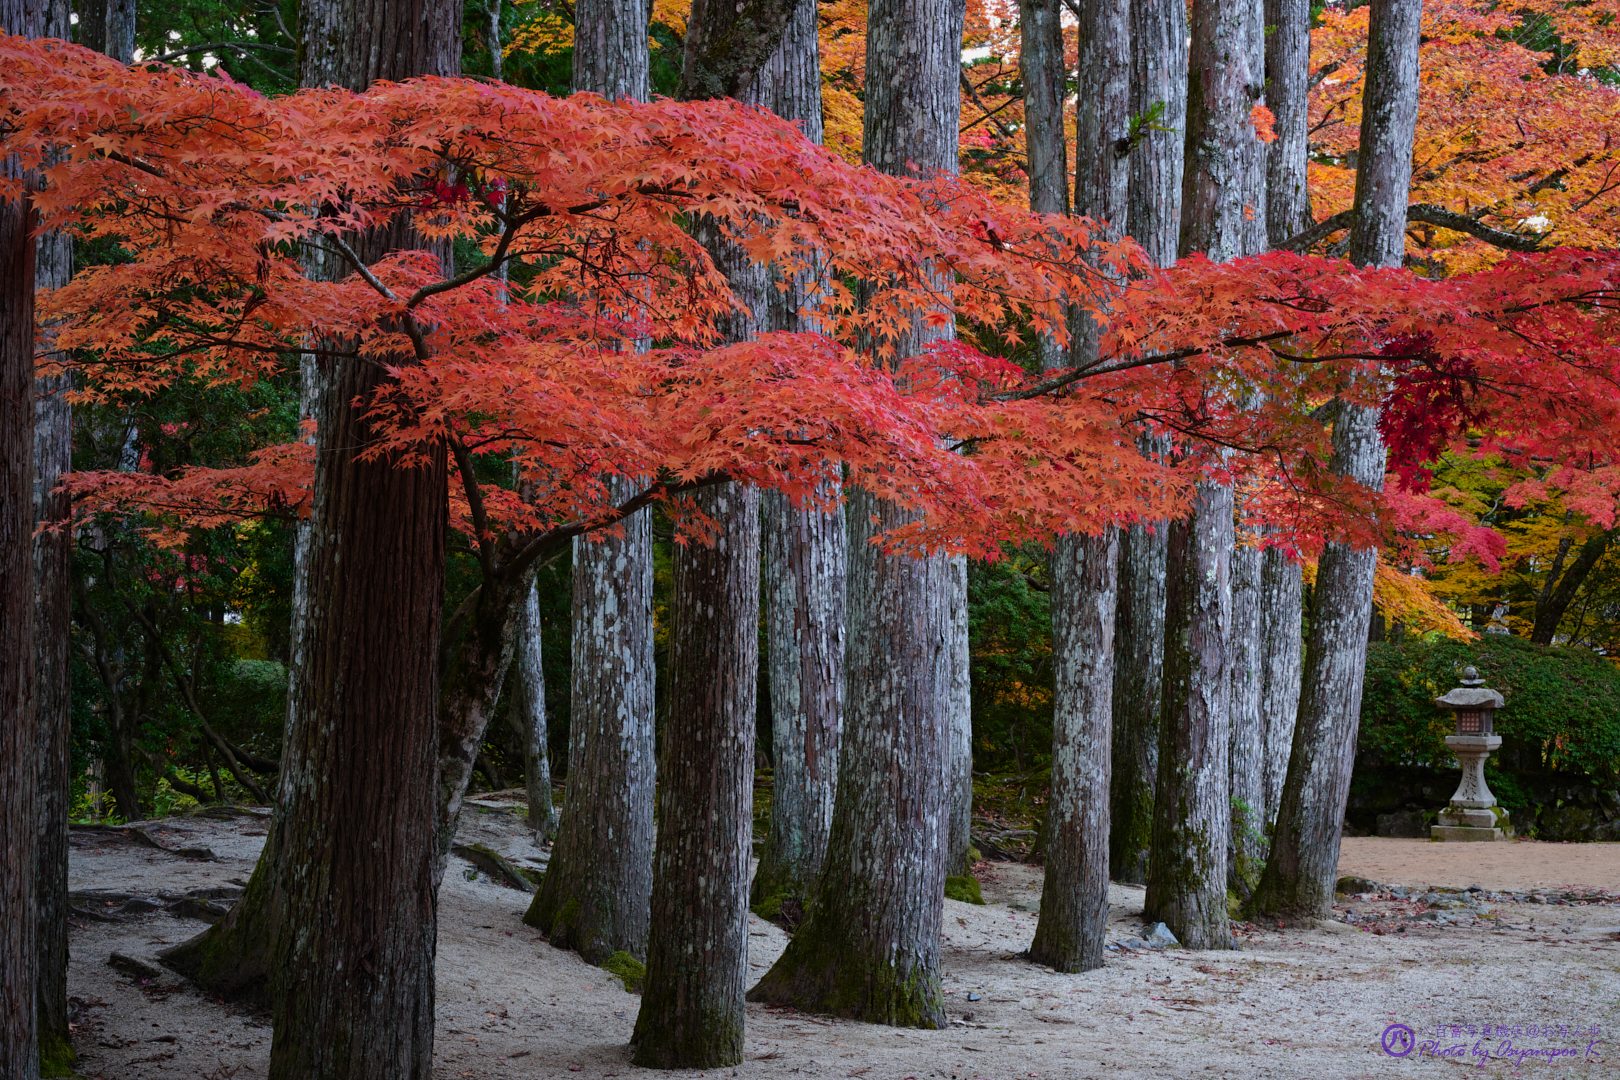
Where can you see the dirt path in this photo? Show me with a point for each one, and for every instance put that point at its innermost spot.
(1310, 1004)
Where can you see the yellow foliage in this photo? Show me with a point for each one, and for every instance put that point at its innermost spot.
(1408, 600)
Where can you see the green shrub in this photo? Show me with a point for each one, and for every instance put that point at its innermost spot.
(1562, 711)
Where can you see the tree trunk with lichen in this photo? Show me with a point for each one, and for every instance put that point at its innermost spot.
(805, 560)
(1070, 935)
(528, 718)
(1298, 883)
(870, 949)
(1158, 75)
(594, 896)
(691, 1013)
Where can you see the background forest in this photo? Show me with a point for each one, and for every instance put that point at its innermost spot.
(175, 647)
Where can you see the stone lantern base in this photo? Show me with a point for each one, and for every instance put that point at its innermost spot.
(1460, 823)
(1473, 813)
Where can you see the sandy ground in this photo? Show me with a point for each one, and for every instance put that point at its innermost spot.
(1290, 1004)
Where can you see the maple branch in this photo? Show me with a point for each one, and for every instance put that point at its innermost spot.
(552, 540)
(1321, 73)
(412, 330)
(1429, 214)
(237, 45)
(475, 503)
(496, 257)
(989, 114)
(1068, 378)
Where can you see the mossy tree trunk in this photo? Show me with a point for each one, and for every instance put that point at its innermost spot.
(1299, 876)
(594, 896)
(1158, 49)
(1246, 760)
(805, 563)
(1084, 569)
(1186, 885)
(1288, 63)
(1071, 933)
(1281, 647)
(697, 951)
(870, 947)
(19, 736)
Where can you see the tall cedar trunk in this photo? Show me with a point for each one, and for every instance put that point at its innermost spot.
(1084, 569)
(1280, 655)
(107, 26)
(1288, 210)
(1193, 817)
(1299, 876)
(351, 987)
(959, 754)
(697, 952)
(598, 884)
(528, 717)
(1288, 58)
(53, 453)
(595, 894)
(1192, 813)
(19, 737)
(806, 557)
(870, 946)
(1158, 74)
(1074, 903)
(1246, 759)
(1045, 76)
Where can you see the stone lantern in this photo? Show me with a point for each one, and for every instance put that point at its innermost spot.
(1473, 813)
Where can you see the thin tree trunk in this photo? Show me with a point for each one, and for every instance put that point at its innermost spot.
(53, 452)
(805, 564)
(1138, 694)
(595, 895)
(19, 735)
(1288, 58)
(1280, 655)
(1246, 760)
(697, 952)
(1158, 77)
(1074, 904)
(1561, 588)
(959, 755)
(528, 717)
(1299, 876)
(870, 947)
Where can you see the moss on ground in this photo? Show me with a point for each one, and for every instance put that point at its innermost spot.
(56, 1056)
(963, 887)
(630, 971)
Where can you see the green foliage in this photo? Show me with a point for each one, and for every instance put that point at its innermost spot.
(1562, 709)
(1010, 630)
(964, 888)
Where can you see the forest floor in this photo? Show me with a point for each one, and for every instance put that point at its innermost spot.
(1314, 1003)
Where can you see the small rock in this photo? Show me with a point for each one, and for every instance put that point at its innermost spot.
(1159, 936)
(1357, 885)
(973, 997)
(139, 905)
(193, 907)
(134, 966)
(1432, 916)
(1134, 944)
(205, 854)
